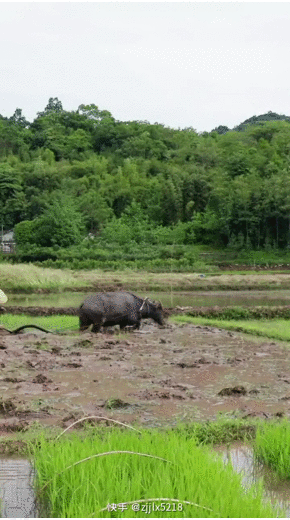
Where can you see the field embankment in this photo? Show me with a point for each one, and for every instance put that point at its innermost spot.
(28, 278)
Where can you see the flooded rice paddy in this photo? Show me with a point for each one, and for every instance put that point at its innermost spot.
(17, 497)
(243, 461)
(159, 376)
(182, 299)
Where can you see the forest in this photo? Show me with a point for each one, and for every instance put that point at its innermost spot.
(71, 176)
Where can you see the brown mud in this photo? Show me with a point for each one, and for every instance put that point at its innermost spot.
(151, 377)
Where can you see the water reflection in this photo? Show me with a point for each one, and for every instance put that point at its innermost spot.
(16, 489)
(183, 299)
(243, 461)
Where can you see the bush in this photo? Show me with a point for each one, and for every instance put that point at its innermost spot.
(25, 232)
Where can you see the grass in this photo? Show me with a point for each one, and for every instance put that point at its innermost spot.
(274, 329)
(226, 429)
(52, 323)
(28, 278)
(78, 477)
(272, 446)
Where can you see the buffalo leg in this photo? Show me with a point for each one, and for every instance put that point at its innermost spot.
(96, 327)
(84, 323)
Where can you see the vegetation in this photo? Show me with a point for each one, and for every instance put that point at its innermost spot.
(276, 329)
(23, 278)
(124, 467)
(241, 313)
(133, 184)
(30, 278)
(272, 445)
(51, 323)
(225, 429)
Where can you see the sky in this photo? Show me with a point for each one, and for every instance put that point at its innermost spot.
(181, 64)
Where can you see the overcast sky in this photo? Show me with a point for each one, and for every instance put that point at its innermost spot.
(180, 64)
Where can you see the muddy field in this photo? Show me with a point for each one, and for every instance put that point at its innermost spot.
(152, 377)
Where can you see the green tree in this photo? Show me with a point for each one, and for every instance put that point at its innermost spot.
(54, 105)
(95, 210)
(60, 224)
(12, 200)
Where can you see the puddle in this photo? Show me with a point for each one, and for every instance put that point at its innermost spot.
(243, 461)
(17, 497)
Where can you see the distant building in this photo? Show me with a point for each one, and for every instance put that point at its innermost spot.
(7, 244)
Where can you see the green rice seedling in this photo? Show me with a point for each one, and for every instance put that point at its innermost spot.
(54, 323)
(274, 329)
(124, 474)
(272, 445)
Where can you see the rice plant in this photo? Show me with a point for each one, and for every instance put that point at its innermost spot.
(274, 329)
(272, 445)
(128, 474)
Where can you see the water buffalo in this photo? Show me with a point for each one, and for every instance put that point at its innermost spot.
(117, 308)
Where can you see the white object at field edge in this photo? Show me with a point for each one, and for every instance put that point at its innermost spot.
(3, 297)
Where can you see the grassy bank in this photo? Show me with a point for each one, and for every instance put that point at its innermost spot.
(274, 329)
(51, 323)
(124, 467)
(28, 278)
(238, 312)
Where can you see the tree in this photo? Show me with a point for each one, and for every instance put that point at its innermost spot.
(221, 129)
(54, 105)
(18, 119)
(12, 200)
(92, 112)
(60, 224)
(95, 210)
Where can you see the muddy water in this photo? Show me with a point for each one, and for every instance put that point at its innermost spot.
(183, 299)
(17, 498)
(242, 458)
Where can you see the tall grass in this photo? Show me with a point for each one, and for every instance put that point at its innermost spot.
(30, 278)
(274, 329)
(189, 474)
(272, 445)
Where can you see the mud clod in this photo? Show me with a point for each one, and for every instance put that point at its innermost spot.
(13, 380)
(40, 378)
(7, 406)
(56, 350)
(235, 390)
(114, 403)
(185, 365)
